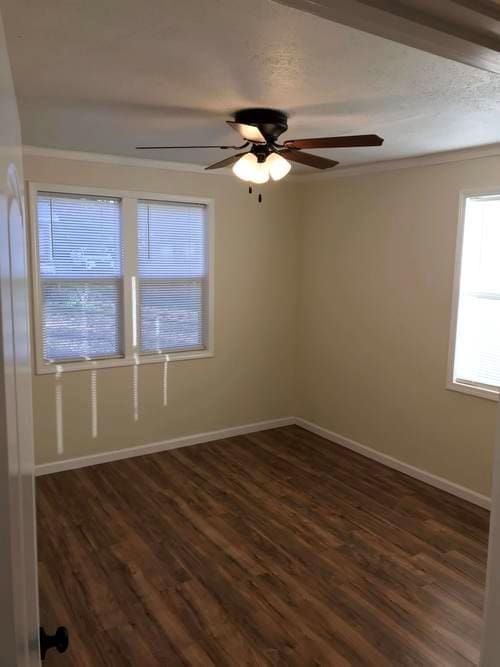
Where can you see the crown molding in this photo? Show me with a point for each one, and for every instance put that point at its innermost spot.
(39, 151)
(491, 150)
(431, 159)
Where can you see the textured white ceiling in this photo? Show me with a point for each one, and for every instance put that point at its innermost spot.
(107, 76)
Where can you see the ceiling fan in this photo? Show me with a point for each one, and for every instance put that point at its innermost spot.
(266, 157)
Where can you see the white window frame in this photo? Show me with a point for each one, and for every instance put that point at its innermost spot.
(129, 199)
(452, 382)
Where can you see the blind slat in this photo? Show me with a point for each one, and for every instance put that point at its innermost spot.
(81, 276)
(172, 271)
(79, 247)
(171, 316)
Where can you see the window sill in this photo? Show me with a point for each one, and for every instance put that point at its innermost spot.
(72, 366)
(474, 390)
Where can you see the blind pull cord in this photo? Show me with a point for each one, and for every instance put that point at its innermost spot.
(59, 410)
(93, 400)
(135, 390)
(165, 380)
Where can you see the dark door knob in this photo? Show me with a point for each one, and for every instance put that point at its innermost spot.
(59, 641)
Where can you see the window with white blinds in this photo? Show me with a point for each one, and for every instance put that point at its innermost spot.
(80, 268)
(119, 278)
(477, 344)
(172, 276)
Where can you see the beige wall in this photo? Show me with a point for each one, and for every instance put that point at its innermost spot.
(251, 376)
(377, 276)
(332, 303)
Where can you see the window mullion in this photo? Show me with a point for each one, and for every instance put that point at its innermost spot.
(129, 231)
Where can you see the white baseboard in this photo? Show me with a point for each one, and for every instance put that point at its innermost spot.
(406, 468)
(152, 448)
(210, 436)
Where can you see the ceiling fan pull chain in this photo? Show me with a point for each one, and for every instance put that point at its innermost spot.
(250, 191)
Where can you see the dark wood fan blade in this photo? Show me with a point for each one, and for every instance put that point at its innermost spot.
(336, 142)
(154, 148)
(309, 159)
(248, 132)
(225, 163)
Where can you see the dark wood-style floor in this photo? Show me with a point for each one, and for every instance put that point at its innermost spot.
(277, 548)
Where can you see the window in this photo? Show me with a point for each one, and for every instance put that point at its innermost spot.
(172, 270)
(79, 246)
(119, 278)
(475, 354)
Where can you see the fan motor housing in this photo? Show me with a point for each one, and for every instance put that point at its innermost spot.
(271, 122)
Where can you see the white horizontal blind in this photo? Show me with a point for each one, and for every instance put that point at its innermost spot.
(80, 265)
(477, 353)
(172, 276)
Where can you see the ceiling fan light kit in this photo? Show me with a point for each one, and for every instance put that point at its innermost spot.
(249, 168)
(266, 158)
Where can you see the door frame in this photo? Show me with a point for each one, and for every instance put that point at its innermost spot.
(19, 623)
(490, 645)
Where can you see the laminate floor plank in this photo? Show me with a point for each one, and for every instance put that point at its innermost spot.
(275, 549)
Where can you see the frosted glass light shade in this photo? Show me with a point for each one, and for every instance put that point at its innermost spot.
(244, 167)
(261, 173)
(278, 166)
(248, 168)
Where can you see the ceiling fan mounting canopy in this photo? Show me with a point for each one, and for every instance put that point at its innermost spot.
(271, 122)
